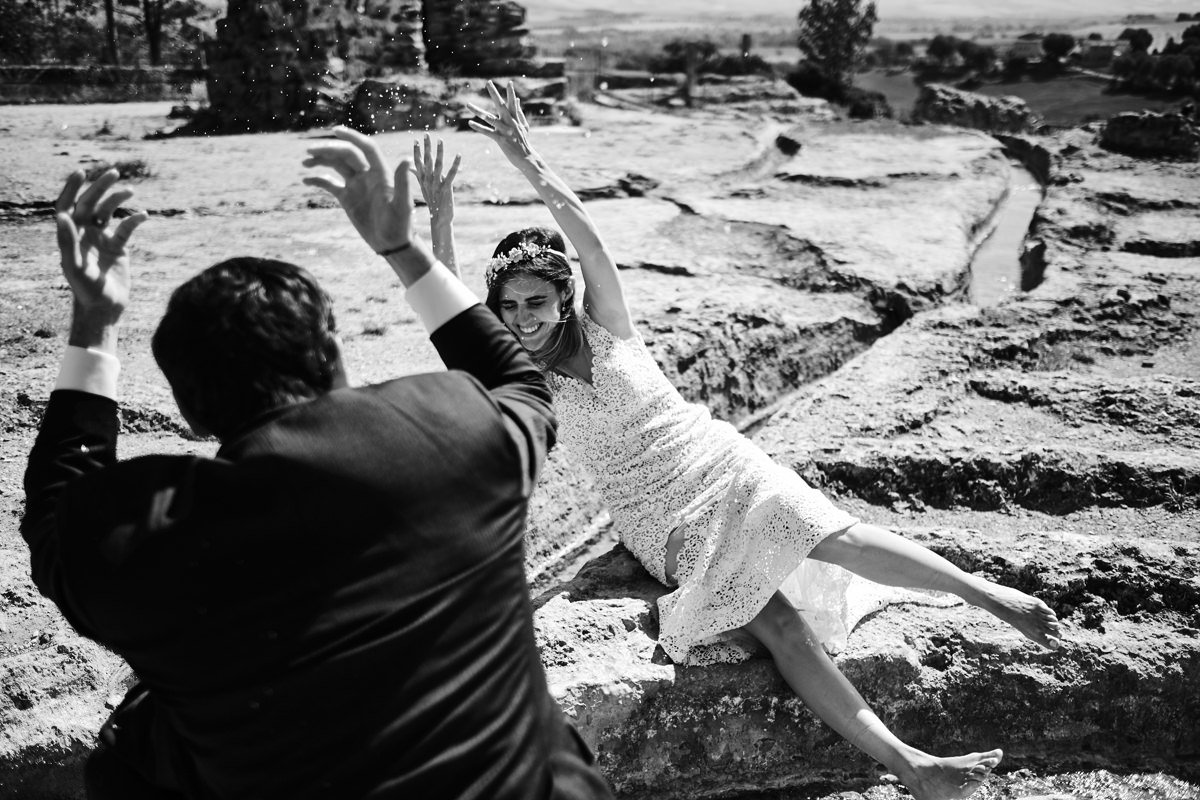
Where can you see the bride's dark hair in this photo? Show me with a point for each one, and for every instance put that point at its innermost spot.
(541, 253)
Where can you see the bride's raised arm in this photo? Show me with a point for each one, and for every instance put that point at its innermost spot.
(603, 296)
(438, 191)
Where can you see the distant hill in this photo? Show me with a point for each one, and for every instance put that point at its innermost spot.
(542, 12)
(552, 12)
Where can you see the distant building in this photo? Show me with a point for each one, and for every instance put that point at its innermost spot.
(1029, 49)
(1101, 54)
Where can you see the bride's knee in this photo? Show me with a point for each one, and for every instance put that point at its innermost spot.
(778, 621)
(851, 548)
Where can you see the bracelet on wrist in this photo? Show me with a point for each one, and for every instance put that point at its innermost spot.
(391, 251)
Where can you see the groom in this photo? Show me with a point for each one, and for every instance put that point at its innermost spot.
(335, 605)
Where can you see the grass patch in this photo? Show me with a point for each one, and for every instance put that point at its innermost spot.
(1067, 100)
(1074, 100)
(900, 89)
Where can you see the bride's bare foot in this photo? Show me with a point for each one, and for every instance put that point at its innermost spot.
(1024, 612)
(932, 778)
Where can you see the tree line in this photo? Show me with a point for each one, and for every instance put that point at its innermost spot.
(90, 32)
(834, 35)
(1175, 68)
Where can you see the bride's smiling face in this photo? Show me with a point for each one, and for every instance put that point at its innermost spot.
(530, 307)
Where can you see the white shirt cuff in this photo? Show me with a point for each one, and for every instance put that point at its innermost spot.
(438, 297)
(87, 370)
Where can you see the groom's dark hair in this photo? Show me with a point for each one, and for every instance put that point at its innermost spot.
(243, 337)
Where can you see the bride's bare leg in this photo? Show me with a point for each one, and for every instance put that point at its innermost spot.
(818, 682)
(884, 557)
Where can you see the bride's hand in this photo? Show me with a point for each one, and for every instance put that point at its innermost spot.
(507, 127)
(436, 188)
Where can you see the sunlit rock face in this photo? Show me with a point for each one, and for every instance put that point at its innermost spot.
(1121, 693)
(1150, 135)
(476, 37)
(944, 105)
(272, 58)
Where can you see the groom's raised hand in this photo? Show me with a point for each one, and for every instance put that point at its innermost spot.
(376, 199)
(95, 257)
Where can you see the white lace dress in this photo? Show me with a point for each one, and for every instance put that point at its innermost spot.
(661, 462)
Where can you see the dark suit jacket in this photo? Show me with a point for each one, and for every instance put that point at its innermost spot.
(333, 606)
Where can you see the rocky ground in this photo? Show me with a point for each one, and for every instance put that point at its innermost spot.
(804, 277)
(1050, 444)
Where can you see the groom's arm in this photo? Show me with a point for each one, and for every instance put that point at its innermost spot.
(78, 436)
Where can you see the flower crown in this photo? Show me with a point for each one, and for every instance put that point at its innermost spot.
(521, 254)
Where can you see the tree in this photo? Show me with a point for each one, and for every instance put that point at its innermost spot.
(978, 57)
(36, 32)
(1185, 74)
(1175, 72)
(1139, 39)
(1164, 71)
(1136, 69)
(110, 33)
(811, 81)
(1015, 66)
(1058, 45)
(942, 47)
(884, 52)
(834, 33)
(679, 51)
(20, 29)
(152, 14)
(155, 16)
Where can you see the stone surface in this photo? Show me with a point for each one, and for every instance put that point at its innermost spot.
(1152, 135)
(376, 107)
(1124, 692)
(1060, 427)
(944, 105)
(1077, 397)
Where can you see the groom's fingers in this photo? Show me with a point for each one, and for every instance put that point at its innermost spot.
(402, 195)
(85, 206)
(321, 182)
(127, 227)
(70, 190)
(345, 159)
(111, 203)
(68, 240)
(366, 147)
